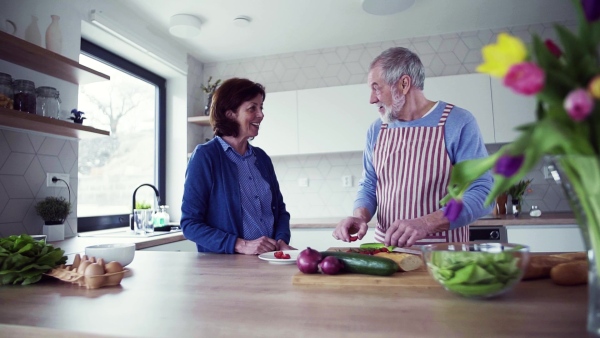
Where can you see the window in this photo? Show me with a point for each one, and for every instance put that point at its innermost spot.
(132, 107)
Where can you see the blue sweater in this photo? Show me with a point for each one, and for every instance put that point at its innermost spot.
(463, 142)
(211, 212)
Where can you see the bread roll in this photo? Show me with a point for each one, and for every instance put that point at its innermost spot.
(574, 256)
(570, 273)
(405, 261)
(540, 266)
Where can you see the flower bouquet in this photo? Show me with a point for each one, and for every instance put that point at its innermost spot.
(565, 78)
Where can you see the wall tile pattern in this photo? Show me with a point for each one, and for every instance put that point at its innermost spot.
(449, 54)
(25, 158)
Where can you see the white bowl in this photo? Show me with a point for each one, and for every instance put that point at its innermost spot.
(120, 252)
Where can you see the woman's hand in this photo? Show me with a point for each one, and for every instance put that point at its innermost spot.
(281, 245)
(255, 246)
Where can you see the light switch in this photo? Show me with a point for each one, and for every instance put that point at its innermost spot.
(303, 182)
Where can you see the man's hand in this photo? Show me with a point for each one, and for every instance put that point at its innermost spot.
(256, 246)
(407, 232)
(354, 226)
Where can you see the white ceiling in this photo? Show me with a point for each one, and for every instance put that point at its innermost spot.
(284, 26)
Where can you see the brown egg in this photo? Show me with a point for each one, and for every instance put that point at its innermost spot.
(76, 261)
(82, 266)
(113, 268)
(94, 276)
(100, 261)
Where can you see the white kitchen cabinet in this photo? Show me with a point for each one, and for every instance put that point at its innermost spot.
(547, 238)
(334, 119)
(510, 111)
(185, 246)
(278, 134)
(321, 239)
(469, 91)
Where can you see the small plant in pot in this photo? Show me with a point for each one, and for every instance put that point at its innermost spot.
(53, 210)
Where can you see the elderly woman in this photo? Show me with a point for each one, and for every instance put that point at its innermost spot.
(231, 200)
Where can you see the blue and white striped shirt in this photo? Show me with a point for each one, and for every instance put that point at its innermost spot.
(255, 193)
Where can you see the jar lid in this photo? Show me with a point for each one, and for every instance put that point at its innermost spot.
(47, 91)
(5, 76)
(24, 83)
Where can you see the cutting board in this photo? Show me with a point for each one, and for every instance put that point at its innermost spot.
(416, 278)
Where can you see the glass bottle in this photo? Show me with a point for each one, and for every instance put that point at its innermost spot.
(48, 102)
(6, 91)
(24, 96)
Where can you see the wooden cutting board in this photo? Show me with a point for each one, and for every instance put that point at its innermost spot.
(416, 278)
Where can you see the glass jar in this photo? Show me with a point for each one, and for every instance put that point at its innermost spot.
(48, 102)
(24, 96)
(6, 91)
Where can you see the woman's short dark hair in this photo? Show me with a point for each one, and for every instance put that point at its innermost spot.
(229, 96)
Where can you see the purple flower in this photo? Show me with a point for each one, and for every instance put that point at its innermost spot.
(591, 9)
(579, 104)
(453, 209)
(553, 48)
(508, 165)
(525, 78)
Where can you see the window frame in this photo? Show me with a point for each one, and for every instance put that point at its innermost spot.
(93, 223)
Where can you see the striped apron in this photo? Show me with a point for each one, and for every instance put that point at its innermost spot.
(413, 169)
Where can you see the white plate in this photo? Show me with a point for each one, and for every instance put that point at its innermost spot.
(270, 257)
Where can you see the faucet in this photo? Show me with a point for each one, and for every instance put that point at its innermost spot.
(131, 225)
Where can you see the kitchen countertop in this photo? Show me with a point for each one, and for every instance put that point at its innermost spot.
(184, 294)
(508, 220)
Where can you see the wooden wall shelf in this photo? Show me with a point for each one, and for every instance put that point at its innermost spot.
(200, 120)
(26, 54)
(25, 121)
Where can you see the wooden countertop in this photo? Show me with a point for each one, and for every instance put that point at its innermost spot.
(548, 218)
(182, 294)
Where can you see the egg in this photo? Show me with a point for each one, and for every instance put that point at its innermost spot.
(76, 261)
(113, 268)
(94, 276)
(82, 266)
(100, 261)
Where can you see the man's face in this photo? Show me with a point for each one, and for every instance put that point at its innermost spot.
(389, 99)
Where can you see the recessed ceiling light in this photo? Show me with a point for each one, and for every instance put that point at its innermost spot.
(386, 7)
(242, 21)
(184, 26)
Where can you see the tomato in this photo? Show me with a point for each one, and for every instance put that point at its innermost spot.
(286, 256)
(353, 238)
(278, 254)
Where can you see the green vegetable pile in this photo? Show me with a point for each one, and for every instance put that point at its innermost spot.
(475, 274)
(23, 260)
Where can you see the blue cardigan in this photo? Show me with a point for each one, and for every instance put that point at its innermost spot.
(211, 212)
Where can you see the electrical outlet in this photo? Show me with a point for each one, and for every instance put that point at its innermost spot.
(58, 183)
(303, 182)
(347, 181)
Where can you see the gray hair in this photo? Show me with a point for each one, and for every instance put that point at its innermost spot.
(398, 61)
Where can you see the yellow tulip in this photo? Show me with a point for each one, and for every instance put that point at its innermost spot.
(499, 57)
(594, 87)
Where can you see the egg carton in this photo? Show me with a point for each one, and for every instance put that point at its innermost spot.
(68, 273)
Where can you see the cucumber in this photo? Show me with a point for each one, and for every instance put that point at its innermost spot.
(376, 246)
(364, 264)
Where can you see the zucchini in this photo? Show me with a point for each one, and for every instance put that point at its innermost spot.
(376, 246)
(364, 264)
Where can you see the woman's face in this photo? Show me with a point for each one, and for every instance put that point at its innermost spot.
(249, 115)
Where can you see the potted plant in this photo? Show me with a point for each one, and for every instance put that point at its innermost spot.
(54, 212)
(210, 90)
(516, 192)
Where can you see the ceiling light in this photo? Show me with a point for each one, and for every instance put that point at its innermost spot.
(242, 21)
(386, 7)
(184, 26)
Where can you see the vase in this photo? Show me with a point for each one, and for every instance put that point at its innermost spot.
(32, 32)
(54, 231)
(54, 35)
(516, 206)
(579, 177)
(207, 107)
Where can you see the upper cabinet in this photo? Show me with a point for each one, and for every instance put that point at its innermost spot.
(28, 55)
(510, 111)
(278, 133)
(469, 91)
(334, 119)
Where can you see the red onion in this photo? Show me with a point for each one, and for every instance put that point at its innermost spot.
(308, 260)
(331, 265)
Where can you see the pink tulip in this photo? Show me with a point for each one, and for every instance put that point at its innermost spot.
(525, 78)
(579, 104)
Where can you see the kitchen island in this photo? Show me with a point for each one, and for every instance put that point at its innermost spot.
(184, 294)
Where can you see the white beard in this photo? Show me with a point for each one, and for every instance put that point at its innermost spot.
(391, 113)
